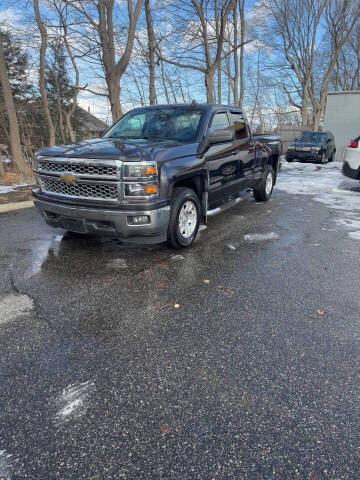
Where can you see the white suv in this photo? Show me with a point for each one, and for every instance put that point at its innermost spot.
(351, 165)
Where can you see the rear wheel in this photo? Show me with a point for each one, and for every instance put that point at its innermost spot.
(184, 218)
(263, 192)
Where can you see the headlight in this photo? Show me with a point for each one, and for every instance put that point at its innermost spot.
(140, 190)
(291, 147)
(140, 170)
(315, 149)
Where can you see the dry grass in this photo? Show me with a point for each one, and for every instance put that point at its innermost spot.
(10, 178)
(13, 178)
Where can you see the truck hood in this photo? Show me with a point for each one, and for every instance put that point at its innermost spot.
(112, 149)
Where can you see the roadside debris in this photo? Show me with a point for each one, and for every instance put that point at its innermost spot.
(207, 282)
(225, 290)
(164, 429)
(320, 312)
(176, 306)
(232, 247)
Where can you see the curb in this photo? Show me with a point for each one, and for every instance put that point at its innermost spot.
(9, 207)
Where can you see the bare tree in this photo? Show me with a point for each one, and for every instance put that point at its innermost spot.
(296, 26)
(151, 52)
(207, 40)
(42, 86)
(340, 19)
(104, 26)
(14, 133)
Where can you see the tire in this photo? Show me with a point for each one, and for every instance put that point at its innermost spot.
(331, 158)
(323, 159)
(263, 192)
(184, 205)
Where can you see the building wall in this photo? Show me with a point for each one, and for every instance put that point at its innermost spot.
(342, 118)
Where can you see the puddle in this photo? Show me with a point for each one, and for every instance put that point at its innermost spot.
(260, 237)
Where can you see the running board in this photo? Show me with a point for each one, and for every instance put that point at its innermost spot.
(226, 206)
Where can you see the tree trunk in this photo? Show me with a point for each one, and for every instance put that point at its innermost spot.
(219, 99)
(15, 144)
(242, 51)
(163, 79)
(42, 88)
(209, 85)
(236, 63)
(69, 128)
(304, 106)
(114, 97)
(151, 61)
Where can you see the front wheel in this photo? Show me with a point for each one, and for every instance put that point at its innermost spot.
(263, 192)
(184, 218)
(323, 159)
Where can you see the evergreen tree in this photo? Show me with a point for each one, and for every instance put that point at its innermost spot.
(17, 63)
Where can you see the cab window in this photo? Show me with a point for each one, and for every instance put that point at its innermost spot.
(237, 123)
(220, 121)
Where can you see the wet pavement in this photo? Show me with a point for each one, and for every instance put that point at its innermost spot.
(235, 359)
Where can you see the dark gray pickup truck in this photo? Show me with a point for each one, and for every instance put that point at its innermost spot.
(155, 175)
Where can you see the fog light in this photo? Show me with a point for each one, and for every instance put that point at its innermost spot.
(138, 220)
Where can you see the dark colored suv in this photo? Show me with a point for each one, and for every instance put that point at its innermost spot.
(316, 147)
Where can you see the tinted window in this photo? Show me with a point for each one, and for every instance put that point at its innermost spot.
(219, 122)
(180, 124)
(237, 123)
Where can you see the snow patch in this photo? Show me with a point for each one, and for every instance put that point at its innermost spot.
(117, 264)
(5, 465)
(176, 258)
(328, 186)
(13, 306)
(10, 188)
(260, 237)
(72, 400)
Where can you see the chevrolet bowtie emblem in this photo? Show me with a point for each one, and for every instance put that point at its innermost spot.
(68, 178)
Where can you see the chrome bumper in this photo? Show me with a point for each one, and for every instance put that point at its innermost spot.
(107, 221)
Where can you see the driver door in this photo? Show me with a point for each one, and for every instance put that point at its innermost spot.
(222, 163)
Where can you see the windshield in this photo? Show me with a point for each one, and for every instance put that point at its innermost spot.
(312, 137)
(179, 124)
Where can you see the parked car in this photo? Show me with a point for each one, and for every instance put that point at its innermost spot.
(155, 175)
(351, 164)
(316, 147)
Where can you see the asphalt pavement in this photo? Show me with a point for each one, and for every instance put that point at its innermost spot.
(237, 358)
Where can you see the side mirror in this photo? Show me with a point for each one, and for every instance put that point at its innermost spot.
(328, 140)
(220, 136)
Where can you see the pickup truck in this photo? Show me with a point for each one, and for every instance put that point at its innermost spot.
(155, 175)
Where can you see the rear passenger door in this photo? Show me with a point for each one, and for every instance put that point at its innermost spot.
(244, 149)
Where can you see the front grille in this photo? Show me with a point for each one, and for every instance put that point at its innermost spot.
(87, 190)
(78, 168)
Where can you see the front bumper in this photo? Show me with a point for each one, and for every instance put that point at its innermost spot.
(304, 156)
(106, 221)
